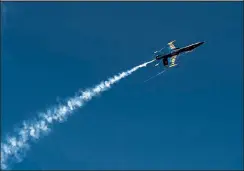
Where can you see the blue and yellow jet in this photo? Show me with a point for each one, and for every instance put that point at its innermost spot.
(170, 59)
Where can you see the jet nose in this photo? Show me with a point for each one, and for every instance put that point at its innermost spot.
(200, 43)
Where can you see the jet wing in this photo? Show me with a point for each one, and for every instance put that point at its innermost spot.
(173, 61)
(171, 45)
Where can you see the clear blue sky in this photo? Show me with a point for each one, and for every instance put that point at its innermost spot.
(188, 118)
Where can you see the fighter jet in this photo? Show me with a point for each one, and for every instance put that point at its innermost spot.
(169, 59)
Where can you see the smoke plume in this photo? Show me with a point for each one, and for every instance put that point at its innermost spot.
(14, 147)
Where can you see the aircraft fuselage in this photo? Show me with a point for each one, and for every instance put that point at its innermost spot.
(178, 51)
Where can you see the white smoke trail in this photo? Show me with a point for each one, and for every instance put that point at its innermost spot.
(13, 149)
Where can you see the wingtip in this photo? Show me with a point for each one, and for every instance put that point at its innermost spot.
(172, 42)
